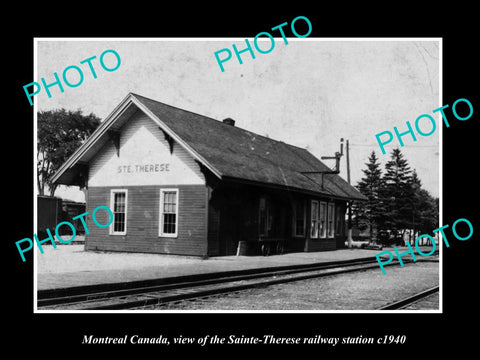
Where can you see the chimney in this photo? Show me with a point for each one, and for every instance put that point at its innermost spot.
(229, 121)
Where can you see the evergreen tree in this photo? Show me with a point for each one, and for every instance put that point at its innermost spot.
(398, 193)
(369, 214)
(396, 201)
(417, 197)
(424, 208)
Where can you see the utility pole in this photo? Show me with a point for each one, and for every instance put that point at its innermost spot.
(349, 223)
(337, 157)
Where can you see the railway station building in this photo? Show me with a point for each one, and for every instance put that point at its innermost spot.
(182, 183)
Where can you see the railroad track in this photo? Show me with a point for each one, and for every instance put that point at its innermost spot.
(141, 294)
(401, 304)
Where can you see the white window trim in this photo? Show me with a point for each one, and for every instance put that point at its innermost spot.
(325, 218)
(316, 228)
(112, 203)
(160, 229)
(331, 231)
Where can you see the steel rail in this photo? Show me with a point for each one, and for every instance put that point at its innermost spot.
(162, 294)
(88, 293)
(410, 300)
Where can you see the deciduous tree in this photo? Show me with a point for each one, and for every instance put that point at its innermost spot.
(60, 133)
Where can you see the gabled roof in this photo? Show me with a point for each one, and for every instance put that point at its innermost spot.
(229, 152)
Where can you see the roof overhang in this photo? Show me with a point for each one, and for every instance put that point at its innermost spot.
(69, 172)
(293, 189)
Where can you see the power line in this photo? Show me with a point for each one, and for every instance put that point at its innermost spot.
(416, 146)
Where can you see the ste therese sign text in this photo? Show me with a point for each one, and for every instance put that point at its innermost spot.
(146, 168)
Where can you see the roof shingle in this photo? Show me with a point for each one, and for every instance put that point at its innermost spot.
(240, 154)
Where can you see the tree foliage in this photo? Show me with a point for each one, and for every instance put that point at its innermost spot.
(60, 133)
(425, 208)
(371, 213)
(396, 199)
(398, 192)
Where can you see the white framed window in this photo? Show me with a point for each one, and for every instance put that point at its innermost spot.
(339, 218)
(331, 220)
(314, 220)
(299, 218)
(118, 205)
(322, 222)
(168, 213)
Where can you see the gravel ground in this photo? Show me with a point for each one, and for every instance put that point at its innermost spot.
(428, 303)
(73, 258)
(366, 290)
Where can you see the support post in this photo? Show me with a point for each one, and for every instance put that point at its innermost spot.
(349, 223)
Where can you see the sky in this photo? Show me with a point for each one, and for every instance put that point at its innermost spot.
(310, 92)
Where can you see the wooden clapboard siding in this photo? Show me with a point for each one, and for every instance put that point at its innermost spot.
(321, 244)
(143, 208)
(213, 222)
(142, 142)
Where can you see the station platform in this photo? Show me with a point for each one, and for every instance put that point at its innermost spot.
(70, 266)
